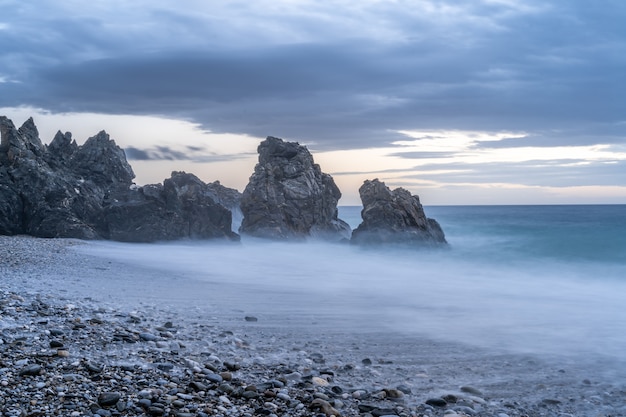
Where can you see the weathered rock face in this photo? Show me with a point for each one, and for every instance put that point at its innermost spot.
(289, 197)
(104, 163)
(11, 207)
(229, 198)
(66, 190)
(58, 196)
(394, 217)
(183, 207)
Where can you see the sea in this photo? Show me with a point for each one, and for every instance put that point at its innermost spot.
(568, 233)
(543, 279)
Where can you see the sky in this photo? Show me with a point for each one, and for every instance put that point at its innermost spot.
(460, 102)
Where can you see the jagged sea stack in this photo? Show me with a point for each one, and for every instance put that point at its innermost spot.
(394, 217)
(86, 192)
(56, 191)
(289, 197)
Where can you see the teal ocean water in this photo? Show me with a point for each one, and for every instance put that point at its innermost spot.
(568, 233)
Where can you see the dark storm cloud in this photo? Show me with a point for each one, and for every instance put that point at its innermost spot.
(294, 72)
(136, 154)
(167, 153)
(543, 68)
(157, 153)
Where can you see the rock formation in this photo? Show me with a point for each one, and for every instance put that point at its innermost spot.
(289, 197)
(86, 192)
(229, 198)
(394, 217)
(57, 195)
(182, 207)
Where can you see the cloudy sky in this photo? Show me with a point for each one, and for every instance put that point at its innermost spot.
(461, 102)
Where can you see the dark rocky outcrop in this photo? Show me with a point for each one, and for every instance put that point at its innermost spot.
(394, 217)
(183, 206)
(87, 192)
(58, 196)
(289, 197)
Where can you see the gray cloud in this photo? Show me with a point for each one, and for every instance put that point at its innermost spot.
(377, 172)
(167, 153)
(556, 173)
(136, 154)
(157, 153)
(607, 134)
(421, 155)
(331, 77)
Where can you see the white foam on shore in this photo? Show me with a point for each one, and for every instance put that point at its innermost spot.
(530, 307)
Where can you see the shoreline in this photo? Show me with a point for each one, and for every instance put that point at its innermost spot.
(169, 356)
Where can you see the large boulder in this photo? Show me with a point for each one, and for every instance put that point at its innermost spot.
(394, 217)
(87, 192)
(289, 197)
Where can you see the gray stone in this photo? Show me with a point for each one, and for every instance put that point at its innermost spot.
(56, 344)
(465, 410)
(471, 390)
(31, 370)
(148, 337)
(156, 411)
(215, 378)
(198, 386)
(324, 407)
(436, 402)
(165, 366)
(107, 399)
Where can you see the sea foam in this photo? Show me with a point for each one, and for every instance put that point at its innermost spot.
(532, 306)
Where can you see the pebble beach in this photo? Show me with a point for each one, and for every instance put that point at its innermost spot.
(70, 348)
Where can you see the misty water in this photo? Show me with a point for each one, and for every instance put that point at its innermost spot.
(522, 279)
